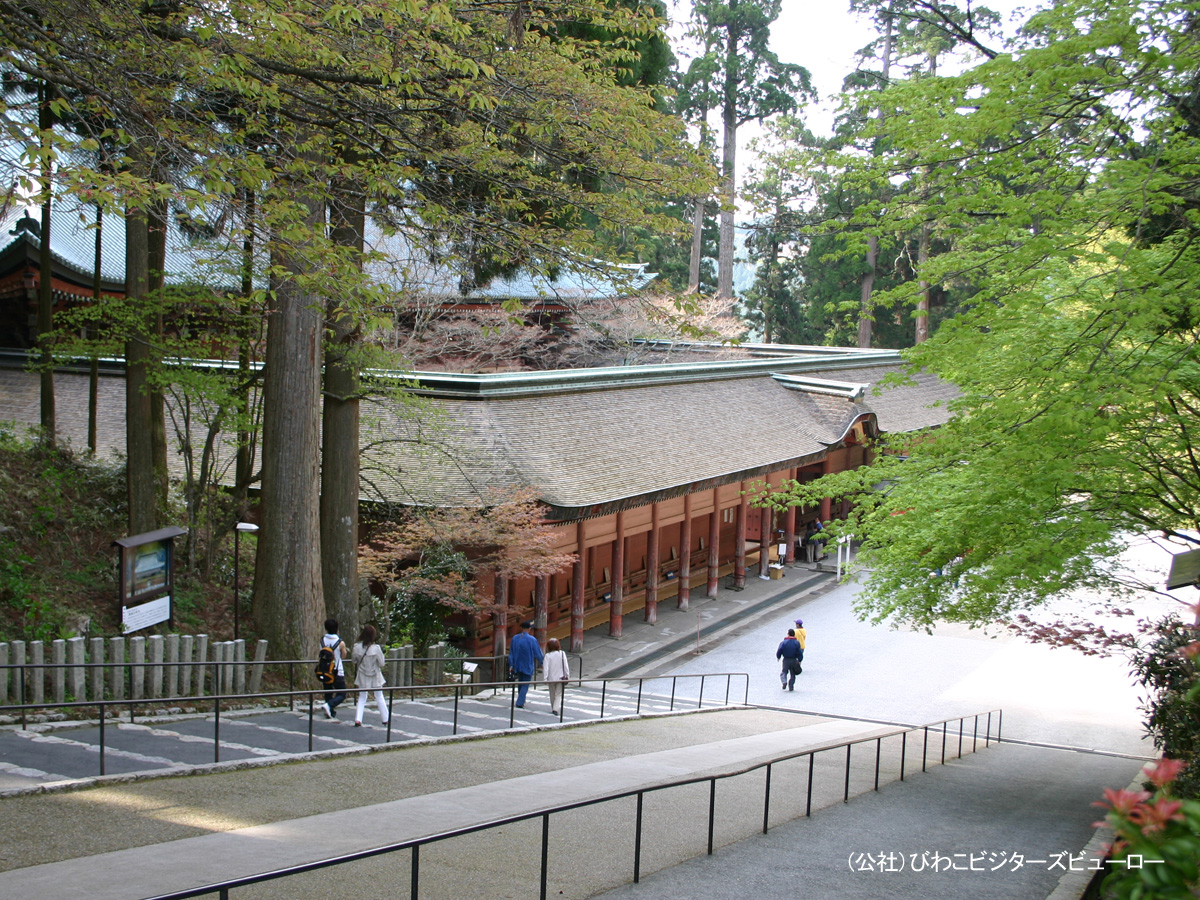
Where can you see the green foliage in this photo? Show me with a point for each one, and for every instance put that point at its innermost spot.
(1157, 852)
(736, 69)
(60, 514)
(1077, 360)
(1168, 667)
(421, 597)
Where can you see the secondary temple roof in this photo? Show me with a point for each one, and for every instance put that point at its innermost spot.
(590, 440)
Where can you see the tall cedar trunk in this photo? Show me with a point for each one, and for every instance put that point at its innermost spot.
(922, 330)
(728, 169)
(97, 296)
(697, 253)
(243, 460)
(922, 333)
(288, 607)
(157, 254)
(339, 450)
(697, 247)
(866, 315)
(45, 306)
(866, 312)
(139, 447)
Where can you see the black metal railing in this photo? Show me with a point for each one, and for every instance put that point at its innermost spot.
(415, 844)
(17, 677)
(314, 698)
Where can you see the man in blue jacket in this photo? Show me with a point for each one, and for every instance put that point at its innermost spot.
(524, 656)
(789, 651)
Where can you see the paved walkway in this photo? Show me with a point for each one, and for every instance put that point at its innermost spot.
(57, 753)
(143, 838)
(678, 634)
(191, 862)
(1010, 823)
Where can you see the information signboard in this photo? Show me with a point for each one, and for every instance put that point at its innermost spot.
(147, 577)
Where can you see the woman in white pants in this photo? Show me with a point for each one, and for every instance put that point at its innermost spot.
(556, 669)
(368, 673)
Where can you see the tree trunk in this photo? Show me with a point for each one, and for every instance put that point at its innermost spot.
(866, 315)
(340, 450)
(243, 461)
(288, 607)
(697, 255)
(97, 298)
(697, 247)
(45, 307)
(157, 255)
(922, 334)
(728, 170)
(866, 311)
(139, 449)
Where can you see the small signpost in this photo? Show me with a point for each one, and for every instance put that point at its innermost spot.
(147, 577)
(1185, 569)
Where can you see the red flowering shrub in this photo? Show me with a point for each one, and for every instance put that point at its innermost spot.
(1156, 854)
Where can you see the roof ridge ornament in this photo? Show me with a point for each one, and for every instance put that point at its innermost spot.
(850, 390)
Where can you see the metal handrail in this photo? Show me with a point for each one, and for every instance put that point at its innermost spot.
(313, 704)
(21, 668)
(224, 887)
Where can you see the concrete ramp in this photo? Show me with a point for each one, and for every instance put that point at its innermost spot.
(604, 832)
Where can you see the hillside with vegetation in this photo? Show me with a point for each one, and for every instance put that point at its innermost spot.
(58, 569)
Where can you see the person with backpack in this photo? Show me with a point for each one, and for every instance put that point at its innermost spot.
(368, 674)
(789, 651)
(330, 668)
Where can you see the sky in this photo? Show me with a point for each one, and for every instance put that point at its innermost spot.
(823, 36)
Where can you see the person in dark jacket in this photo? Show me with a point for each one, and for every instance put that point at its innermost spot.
(789, 651)
(524, 655)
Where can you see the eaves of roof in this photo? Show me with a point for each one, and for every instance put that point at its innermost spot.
(521, 384)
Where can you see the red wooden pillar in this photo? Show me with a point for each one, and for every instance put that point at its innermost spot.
(766, 538)
(541, 602)
(826, 502)
(714, 543)
(577, 578)
(739, 552)
(616, 605)
(685, 562)
(499, 615)
(652, 567)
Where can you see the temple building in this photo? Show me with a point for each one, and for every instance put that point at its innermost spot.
(645, 472)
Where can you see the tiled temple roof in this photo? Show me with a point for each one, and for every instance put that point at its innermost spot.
(587, 441)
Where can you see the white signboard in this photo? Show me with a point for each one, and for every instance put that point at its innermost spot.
(135, 618)
(1185, 569)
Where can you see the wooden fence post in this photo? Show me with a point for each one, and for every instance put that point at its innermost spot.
(256, 672)
(97, 670)
(76, 674)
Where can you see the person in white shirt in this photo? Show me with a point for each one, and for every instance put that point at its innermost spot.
(556, 669)
(338, 694)
(368, 674)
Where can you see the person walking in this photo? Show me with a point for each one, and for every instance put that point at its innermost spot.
(802, 637)
(368, 674)
(524, 654)
(810, 542)
(333, 641)
(821, 538)
(556, 669)
(789, 651)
